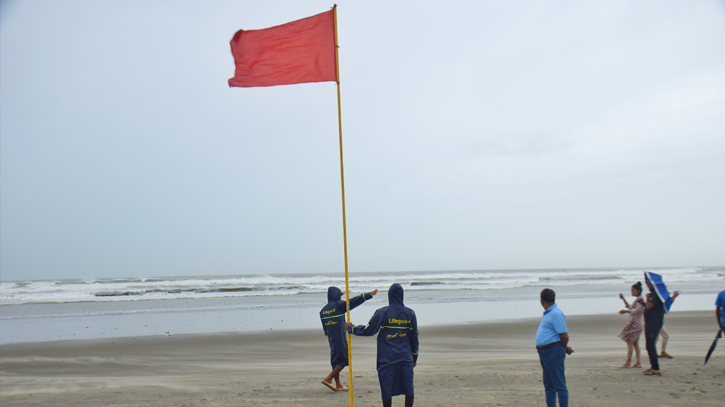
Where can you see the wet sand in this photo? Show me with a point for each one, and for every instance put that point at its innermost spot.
(460, 365)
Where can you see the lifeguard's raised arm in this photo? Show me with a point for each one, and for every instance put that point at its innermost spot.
(357, 301)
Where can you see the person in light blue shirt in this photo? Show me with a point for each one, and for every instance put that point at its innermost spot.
(552, 343)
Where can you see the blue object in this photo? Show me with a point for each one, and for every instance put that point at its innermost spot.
(552, 362)
(332, 316)
(553, 323)
(660, 289)
(397, 344)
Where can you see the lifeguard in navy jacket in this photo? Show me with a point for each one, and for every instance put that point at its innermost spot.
(332, 316)
(397, 346)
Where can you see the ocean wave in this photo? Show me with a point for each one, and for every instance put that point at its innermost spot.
(263, 285)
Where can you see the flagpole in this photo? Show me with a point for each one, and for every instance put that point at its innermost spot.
(344, 223)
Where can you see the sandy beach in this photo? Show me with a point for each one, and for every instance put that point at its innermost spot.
(460, 365)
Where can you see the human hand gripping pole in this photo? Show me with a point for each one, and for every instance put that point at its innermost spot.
(349, 342)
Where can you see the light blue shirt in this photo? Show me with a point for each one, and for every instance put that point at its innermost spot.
(553, 323)
(720, 302)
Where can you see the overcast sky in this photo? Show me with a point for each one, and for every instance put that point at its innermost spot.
(477, 135)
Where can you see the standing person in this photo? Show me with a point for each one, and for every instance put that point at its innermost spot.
(397, 346)
(552, 340)
(635, 325)
(654, 316)
(332, 316)
(665, 334)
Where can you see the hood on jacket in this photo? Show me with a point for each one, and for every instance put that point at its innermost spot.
(395, 294)
(334, 294)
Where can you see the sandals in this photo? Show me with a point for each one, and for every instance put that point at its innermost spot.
(650, 372)
(665, 355)
(329, 385)
(626, 366)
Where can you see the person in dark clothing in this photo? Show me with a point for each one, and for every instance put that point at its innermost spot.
(654, 317)
(397, 346)
(332, 316)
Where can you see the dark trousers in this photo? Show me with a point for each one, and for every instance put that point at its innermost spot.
(552, 361)
(650, 339)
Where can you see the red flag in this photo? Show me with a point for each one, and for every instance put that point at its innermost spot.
(297, 52)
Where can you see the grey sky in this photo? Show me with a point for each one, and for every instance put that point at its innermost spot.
(477, 135)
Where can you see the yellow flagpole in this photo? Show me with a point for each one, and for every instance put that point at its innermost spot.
(344, 224)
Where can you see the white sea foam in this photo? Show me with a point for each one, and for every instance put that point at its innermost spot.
(135, 289)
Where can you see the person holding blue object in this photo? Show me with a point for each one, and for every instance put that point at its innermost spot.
(552, 343)
(658, 304)
(654, 316)
(332, 316)
(397, 346)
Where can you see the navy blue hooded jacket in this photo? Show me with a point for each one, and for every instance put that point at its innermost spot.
(332, 316)
(398, 326)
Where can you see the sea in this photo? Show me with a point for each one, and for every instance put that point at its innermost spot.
(50, 310)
